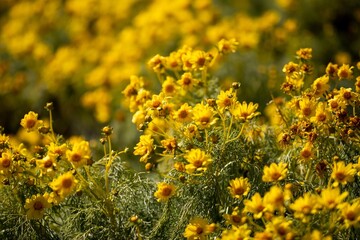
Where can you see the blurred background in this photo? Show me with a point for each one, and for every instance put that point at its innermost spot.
(80, 54)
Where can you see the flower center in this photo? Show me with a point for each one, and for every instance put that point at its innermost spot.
(6, 163)
(30, 123)
(76, 157)
(67, 183)
(321, 117)
(351, 216)
(340, 176)
(239, 191)
(306, 111)
(275, 176)
(48, 164)
(183, 114)
(199, 230)
(197, 163)
(38, 205)
(166, 192)
(204, 120)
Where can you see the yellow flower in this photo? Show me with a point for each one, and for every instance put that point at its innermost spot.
(183, 114)
(330, 198)
(345, 72)
(307, 152)
(79, 155)
(342, 173)
(139, 118)
(157, 126)
(157, 63)
(304, 206)
(187, 81)
(346, 94)
(322, 114)
(169, 144)
(204, 116)
(275, 172)
(242, 232)
(244, 111)
(173, 61)
(164, 191)
(304, 53)
(281, 227)
(336, 103)
(235, 218)
(64, 185)
(239, 187)
(255, 206)
(36, 206)
(30, 121)
(191, 131)
(357, 84)
(263, 236)
(227, 46)
(4, 141)
(290, 68)
(200, 60)
(332, 69)
(350, 213)
(198, 161)
(307, 107)
(320, 85)
(155, 104)
(47, 164)
(357, 166)
(275, 198)
(144, 148)
(198, 229)
(316, 235)
(226, 100)
(169, 87)
(56, 151)
(6, 162)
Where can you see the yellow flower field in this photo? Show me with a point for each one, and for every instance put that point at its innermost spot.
(196, 120)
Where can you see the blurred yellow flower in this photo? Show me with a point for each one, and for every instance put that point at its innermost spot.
(226, 100)
(304, 53)
(164, 191)
(345, 72)
(79, 154)
(183, 114)
(197, 229)
(239, 187)
(240, 232)
(275, 172)
(304, 206)
(255, 206)
(350, 213)
(64, 185)
(330, 198)
(198, 161)
(30, 121)
(227, 46)
(36, 206)
(342, 173)
(6, 163)
(144, 148)
(276, 198)
(204, 116)
(244, 111)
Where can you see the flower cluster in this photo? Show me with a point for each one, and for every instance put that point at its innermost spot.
(271, 182)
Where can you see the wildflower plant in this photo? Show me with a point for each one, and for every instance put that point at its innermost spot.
(213, 164)
(237, 173)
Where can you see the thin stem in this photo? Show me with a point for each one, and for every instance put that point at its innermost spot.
(107, 167)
